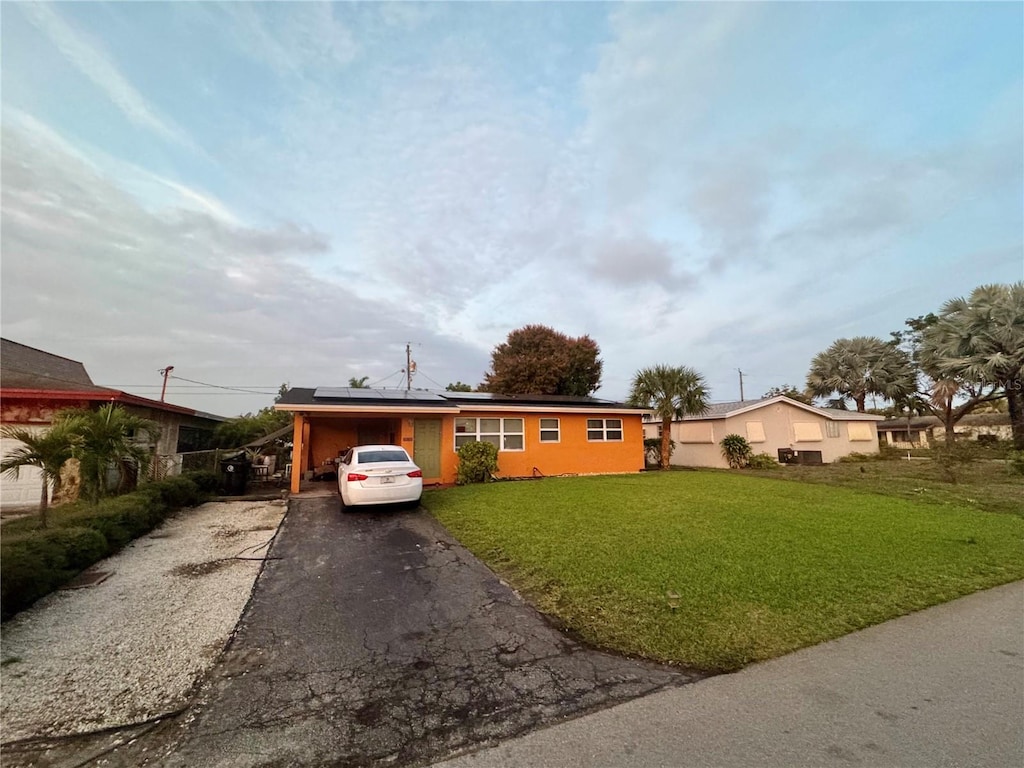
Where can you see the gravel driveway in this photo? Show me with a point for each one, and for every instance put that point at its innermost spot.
(132, 647)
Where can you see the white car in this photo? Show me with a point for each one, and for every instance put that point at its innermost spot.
(378, 474)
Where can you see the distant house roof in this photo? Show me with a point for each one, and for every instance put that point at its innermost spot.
(926, 422)
(27, 372)
(299, 398)
(23, 367)
(736, 407)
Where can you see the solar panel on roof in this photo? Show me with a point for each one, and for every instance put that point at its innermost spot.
(353, 393)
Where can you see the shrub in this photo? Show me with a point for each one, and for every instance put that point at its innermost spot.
(34, 562)
(35, 565)
(736, 451)
(857, 458)
(177, 492)
(762, 461)
(1016, 459)
(207, 481)
(477, 462)
(652, 450)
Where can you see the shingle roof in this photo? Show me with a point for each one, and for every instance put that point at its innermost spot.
(724, 410)
(24, 367)
(970, 420)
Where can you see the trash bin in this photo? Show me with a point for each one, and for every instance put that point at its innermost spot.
(234, 473)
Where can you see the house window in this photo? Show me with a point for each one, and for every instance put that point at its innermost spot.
(755, 431)
(696, 432)
(859, 430)
(549, 431)
(604, 430)
(503, 434)
(807, 431)
(832, 429)
(905, 437)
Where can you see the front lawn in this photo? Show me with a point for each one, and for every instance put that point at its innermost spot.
(761, 566)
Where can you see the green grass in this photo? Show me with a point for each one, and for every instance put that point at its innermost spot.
(762, 566)
(984, 485)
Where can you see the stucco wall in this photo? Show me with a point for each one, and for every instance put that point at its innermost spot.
(572, 454)
(779, 422)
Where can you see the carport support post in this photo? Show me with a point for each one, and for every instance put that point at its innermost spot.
(298, 451)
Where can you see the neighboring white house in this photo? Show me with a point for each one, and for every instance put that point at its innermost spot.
(786, 429)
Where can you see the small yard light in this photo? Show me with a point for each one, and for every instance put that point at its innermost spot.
(673, 600)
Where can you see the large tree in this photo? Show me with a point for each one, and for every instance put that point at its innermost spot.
(861, 366)
(110, 438)
(537, 360)
(946, 395)
(672, 393)
(241, 430)
(980, 340)
(48, 451)
(789, 391)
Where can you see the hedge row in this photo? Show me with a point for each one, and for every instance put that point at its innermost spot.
(33, 563)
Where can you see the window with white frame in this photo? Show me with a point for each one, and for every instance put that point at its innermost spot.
(831, 429)
(549, 431)
(604, 430)
(503, 434)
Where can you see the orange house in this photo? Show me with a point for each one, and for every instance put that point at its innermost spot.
(536, 435)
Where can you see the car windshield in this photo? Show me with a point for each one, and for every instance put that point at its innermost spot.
(374, 457)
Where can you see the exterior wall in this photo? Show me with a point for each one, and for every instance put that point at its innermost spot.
(27, 489)
(778, 421)
(572, 454)
(971, 431)
(889, 437)
(37, 414)
(935, 434)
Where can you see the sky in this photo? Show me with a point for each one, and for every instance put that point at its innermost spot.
(258, 194)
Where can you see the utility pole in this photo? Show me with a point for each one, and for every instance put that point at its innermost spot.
(166, 373)
(741, 384)
(408, 367)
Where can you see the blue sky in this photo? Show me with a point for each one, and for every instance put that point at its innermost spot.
(290, 192)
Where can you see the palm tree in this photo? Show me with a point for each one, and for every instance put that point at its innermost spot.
(981, 339)
(672, 393)
(861, 366)
(47, 451)
(359, 383)
(108, 437)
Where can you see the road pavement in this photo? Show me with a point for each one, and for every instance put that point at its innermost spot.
(942, 687)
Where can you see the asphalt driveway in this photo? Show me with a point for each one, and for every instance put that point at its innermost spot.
(376, 638)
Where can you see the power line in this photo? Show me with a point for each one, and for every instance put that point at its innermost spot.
(219, 386)
(389, 376)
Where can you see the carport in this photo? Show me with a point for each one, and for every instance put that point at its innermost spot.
(322, 432)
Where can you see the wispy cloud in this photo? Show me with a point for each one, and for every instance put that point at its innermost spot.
(86, 257)
(90, 59)
(301, 39)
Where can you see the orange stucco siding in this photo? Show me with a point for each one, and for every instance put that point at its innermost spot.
(572, 454)
(323, 436)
